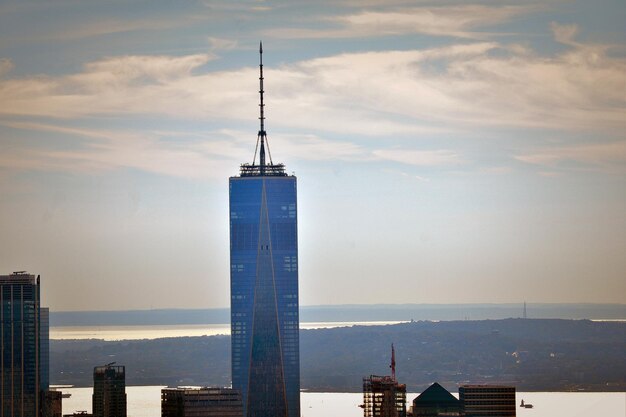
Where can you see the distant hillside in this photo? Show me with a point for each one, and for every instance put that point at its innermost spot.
(379, 312)
(540, 355)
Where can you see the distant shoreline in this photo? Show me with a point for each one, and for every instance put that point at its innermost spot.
(161, 331)
(533, 354)
(348, 313)
(313, 391)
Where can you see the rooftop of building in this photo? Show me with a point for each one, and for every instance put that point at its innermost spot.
(435, 394)
(19, 277)
(118, 369)
(266, 170)
(377, 381)
(200, 389)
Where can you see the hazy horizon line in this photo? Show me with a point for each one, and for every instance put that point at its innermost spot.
(352, 305)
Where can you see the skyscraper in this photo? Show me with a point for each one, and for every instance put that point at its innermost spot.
(264, 284)
(22, 379)
(109, 391)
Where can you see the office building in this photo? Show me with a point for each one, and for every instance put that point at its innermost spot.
(264, 284)
(109, 391)
(435, 401)
(383, 396)
(22, 377)
(487, 400)
(201, 402)
(52, 401)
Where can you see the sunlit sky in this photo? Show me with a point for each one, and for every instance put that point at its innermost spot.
(446, 151)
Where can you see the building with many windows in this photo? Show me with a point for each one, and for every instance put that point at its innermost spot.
(52, 401)
(264, 284)
(23, 373)
(109, 391)
(487, 400)
(201, 402)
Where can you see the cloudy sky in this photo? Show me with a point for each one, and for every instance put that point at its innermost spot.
(446, 151)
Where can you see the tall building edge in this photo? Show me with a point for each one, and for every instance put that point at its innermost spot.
(25, 346)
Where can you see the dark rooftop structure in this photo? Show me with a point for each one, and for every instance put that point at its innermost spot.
(436, 401)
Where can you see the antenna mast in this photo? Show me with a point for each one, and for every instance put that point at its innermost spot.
(264, 168)
(262, 134)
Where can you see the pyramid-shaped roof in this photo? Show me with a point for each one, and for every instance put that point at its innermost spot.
(435, 395)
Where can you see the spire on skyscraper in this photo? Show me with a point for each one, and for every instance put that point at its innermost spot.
(262, 143)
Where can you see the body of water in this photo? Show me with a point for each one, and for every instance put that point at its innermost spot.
(176, 330)
(146, 402)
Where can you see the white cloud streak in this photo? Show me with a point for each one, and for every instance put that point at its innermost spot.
(6, 65)
(456, 21)
(412, 93)
(606, 156)
(222, 44)
(423, 158)
(104, 150)
(207, 156)
(376, 93)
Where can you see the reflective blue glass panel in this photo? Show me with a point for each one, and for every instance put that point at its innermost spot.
(264, 294)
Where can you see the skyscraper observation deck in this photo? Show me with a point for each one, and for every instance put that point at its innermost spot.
(273, 170)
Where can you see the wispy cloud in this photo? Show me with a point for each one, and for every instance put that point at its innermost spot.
(207, 154)
(413, 94)
(6, 65)
(606, 156)
(564, 33)
(312, 147)
(111, 26)
(98, 150)
(128, 84)
(424, 158)
(373, 93)
(79, 29)
(456, 20)
(220, 44)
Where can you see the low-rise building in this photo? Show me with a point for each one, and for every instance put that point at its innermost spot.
(488, 400)
(201, 402)
(435, 401)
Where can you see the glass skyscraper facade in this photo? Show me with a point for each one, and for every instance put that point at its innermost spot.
(21, 378)
(264, 287)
